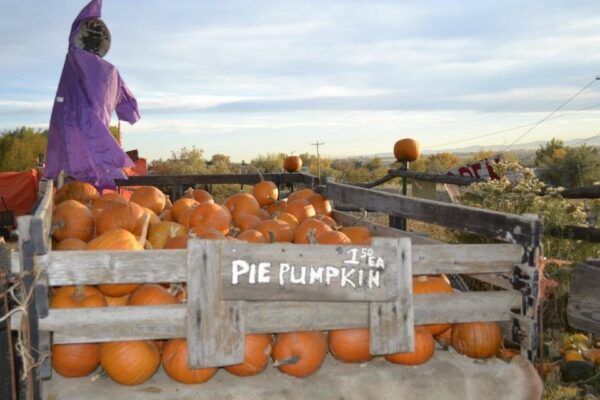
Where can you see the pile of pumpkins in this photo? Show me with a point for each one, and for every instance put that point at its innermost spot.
(84, 220)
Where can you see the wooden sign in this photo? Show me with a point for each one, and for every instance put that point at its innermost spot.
(285, 271)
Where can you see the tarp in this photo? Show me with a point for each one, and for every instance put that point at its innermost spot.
(90, 89)
(19, 190)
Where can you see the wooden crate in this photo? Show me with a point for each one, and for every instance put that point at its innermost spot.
(229, 312)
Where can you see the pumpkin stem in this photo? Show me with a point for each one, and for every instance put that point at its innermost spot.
(286, 361)
(312, 236)
(142, 240)
(271, 236)
(189, 193)
(361, 218)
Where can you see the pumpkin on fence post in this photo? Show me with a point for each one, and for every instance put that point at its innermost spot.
(407, 150)
(292, 164)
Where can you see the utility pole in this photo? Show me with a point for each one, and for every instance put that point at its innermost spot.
(317, 144)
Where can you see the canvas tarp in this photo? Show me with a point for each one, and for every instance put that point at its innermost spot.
(19, 191)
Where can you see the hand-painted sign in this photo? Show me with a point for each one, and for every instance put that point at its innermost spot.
(480, 169)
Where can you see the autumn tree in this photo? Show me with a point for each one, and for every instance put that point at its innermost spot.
(19, 148)
(186, 161)
(560, 165)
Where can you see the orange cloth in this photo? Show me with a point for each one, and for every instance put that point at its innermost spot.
(19, 190)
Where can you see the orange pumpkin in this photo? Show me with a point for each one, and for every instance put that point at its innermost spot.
(265, 192)
(301, 209)
(128, 216)
(424, 349)
(350, 345)
(430, 284)
(159, 233)
(287, 217)
(508, 354)
(129, 363)
(149, 197)
(177, 242)
(114, 196)
(71, 219)
(299, 354)
(165, 215)
(445, 338)
(247, 221)
(180, 205)
(151, 294)
(252, 236)
(175, 364)
(320, 203)
(102, 203)
(116, 239)
(477, 339)
(117, 301)
(292, 163)
(301, 235)
(82, 192)
(207, 233)
(357, 234)
(76, 360)
(276, 207)
(199, 195)
(242, 203)
(275, 231)
(70, 244)
(210, 215)
(302, 194)
(407, 150)
(257, 350)
(333, 237)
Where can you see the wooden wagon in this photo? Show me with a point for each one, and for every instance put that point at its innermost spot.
(220, 311)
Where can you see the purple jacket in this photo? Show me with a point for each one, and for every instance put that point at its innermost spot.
(90, 89)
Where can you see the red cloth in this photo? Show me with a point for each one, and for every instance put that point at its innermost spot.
(19, 190)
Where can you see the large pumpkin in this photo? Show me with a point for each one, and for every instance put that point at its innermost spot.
(71, 219)
(257, 350)
(116, 239)
(128, 216)
(131, 362)
(310, 227)
(333, 237)
(357, 234)
(76, 360)
(302, 194)
(177, 242)
(252, 236)
(69, 244)
(210, 215)
(150, 197)
(265, 192)
(82, 192)
(242, 203)
(104, 202)
(151, 294)
(180, 205)
(320, 203)
(159, 233)
(407, 150)
(175, 364)
(292, 163)
(350, 345)
(431, 284)
(301, 209)
(275, 231)
(477, 339)
(299, 354)
(424, 348)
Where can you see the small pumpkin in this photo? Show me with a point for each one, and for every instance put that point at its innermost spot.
(177, 242)
(301, 209)
(175, 364)
(159, 233)
(275, 231)
(257, 350)
(252, 236)
(357, 234)
(265, 192)
(320, 203)
(242, 203)
(407, 150)
(181, 204)
(299, 354)
(292, 163)
(151, 294)
(247, 221)
(287, 217)
(71, 219)
(199, 195)
(477, 339)
(424, 349)
(333, 237)
(131, 362)
(302, 194)
(102, 203)
(70, 244)
(314, 226)
(117, 301)
(350, 345)
(210, 215)
(276, 207)
(431, 284)
(75, 360)
(149, 197)
(128, 216)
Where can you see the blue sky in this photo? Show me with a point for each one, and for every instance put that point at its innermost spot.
(247, 78)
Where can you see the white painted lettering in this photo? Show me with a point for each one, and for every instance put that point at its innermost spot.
(316, 275)
(298, 280)
(252, 276)
(238, 267)
(353, 257)
(361, 277)
(264, 272)
(373, 278)
(284, 268)
(346, 273)
(380, 263)
(330, 273)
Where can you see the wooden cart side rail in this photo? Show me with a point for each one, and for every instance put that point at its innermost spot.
(492, 224)
(94, 267)
(161, 322)
(242, 179)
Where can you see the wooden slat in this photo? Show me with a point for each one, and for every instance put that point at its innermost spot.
(94, 267)
(42, 219)
(391, 323)
(283, 261)
(506, 227)
(583, 309)
(215, 328)
(246, 179)
(169, 321)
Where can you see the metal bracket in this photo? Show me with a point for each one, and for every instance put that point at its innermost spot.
(524, 332)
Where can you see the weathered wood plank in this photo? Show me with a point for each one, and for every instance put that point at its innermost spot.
(422, 176)
(285, 271)
(169, 321)
(94, 267)
(573, 232)
(41, 223)
(583, 309)
(391, 323)
(215, 328)
(245, 179)
(492, 224)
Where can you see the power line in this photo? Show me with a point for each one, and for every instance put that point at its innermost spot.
(317, 144)
(550, 115)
